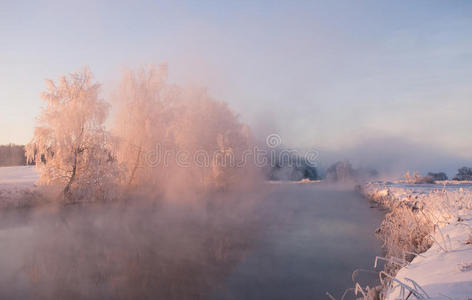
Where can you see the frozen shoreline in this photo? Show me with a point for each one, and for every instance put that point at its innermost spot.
(444, 271)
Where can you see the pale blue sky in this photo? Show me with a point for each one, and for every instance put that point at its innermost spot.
(321, 73)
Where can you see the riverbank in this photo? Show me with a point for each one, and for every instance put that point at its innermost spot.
(427, 236)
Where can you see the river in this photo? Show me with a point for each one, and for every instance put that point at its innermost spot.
(291, 241)
(314, 237)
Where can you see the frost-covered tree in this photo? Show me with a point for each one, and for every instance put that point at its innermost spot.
(142, 122)
(170, 137)
(341, 171)
(70, 145)
(206, 126)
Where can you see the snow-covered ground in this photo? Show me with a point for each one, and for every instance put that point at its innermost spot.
(444, 271)
(17, 185)
(18, 175)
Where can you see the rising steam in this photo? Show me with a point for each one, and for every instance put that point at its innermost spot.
(169, 216)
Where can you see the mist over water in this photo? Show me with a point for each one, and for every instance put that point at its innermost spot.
(141, 249)
(280, 241)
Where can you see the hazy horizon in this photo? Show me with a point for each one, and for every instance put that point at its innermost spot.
(323, 75)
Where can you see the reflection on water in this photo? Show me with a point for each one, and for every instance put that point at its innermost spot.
(297, 242)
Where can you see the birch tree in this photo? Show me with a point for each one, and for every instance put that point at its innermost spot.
(70, 144)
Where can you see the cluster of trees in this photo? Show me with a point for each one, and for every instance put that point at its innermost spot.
(290, 167)
(463, 173)
(158, 129)
(437, 176)
(12, 155)
(342, 171)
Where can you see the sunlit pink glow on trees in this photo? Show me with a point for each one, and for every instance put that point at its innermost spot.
(70, 145)
(155, 116)
(154, 121)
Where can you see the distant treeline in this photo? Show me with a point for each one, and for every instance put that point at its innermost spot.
(12, 155)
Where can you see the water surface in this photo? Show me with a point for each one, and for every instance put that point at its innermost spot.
(313, 238)
(292, 241)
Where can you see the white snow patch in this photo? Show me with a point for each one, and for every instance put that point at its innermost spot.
(18, 175)
(442, 273)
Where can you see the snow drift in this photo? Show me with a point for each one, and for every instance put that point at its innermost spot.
(429, 225)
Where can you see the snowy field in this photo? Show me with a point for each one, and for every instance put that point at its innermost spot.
(17, 185)
(444, 271)
(20, 175)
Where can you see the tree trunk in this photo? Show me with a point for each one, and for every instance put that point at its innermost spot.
(133, 172)
(67, 192)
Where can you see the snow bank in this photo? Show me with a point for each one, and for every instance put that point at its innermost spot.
(17, 187)
(444, 271)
